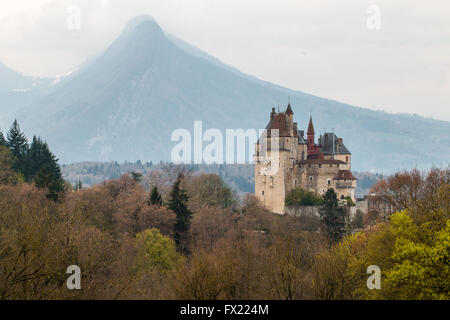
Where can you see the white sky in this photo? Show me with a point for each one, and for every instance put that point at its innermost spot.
(322, 47)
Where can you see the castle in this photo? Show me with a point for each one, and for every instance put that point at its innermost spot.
(299, 162)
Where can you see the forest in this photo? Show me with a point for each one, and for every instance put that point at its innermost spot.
(176, 234)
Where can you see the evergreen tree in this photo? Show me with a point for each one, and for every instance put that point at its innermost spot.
(2, 140)
(178, 201)
(50, 177)
(136, 176)
(18, 144)
(332, 217)
(34, 158)
(43, 168)
(78, 185)
(155, 197)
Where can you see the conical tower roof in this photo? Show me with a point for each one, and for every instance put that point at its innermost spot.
(310, 126)
(289, 109)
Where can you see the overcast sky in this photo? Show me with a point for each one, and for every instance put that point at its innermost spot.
(379, 54)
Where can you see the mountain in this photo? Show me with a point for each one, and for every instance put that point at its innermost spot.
(125, 104)
(18, 90)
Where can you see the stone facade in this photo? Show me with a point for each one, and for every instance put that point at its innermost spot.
(285, 160)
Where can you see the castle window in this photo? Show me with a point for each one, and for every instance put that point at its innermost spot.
(310, 178)
(329, 182)
(263, 192)
(346, 159)
(309, 166)
(320, 166)
(331, 166)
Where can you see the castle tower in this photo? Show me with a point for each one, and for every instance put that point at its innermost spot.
(274, 173)
(310, 135)
(290, 120)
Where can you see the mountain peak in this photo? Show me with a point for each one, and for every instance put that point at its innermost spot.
(138, 20)
(142, 30)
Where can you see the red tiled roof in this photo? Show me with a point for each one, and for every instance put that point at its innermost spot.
(345, 175)
(316, 156)
(278, 122)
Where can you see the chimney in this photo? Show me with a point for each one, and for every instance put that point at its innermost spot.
(340, 142)
(272, 114)
(295, 127)
(302, 133)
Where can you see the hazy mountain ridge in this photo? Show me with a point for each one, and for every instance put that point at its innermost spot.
(125, 104)
(18, 90)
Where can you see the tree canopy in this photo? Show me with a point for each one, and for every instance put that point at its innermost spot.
(302, 197)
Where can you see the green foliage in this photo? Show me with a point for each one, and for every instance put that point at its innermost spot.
(34, 163)
(136, 176)
(178, 203)
(17, 143)
(412, 250)
(421, 260)
(350, 202)
(49, 177)
(2, 140)
(7, 174)
(155, 197)
(209, 190)
(42, 168)
(332, 217)
(155, 250)
(358, 220)
(301, 197)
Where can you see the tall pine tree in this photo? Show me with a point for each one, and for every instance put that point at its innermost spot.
(34, 158)
(332, 217)
(178, 202)
(2, 140)
(18, 144)
(41, 166)
(49, 174)
(155, 197)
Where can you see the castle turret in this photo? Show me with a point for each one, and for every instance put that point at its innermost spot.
(310, 135)
(290, 120)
